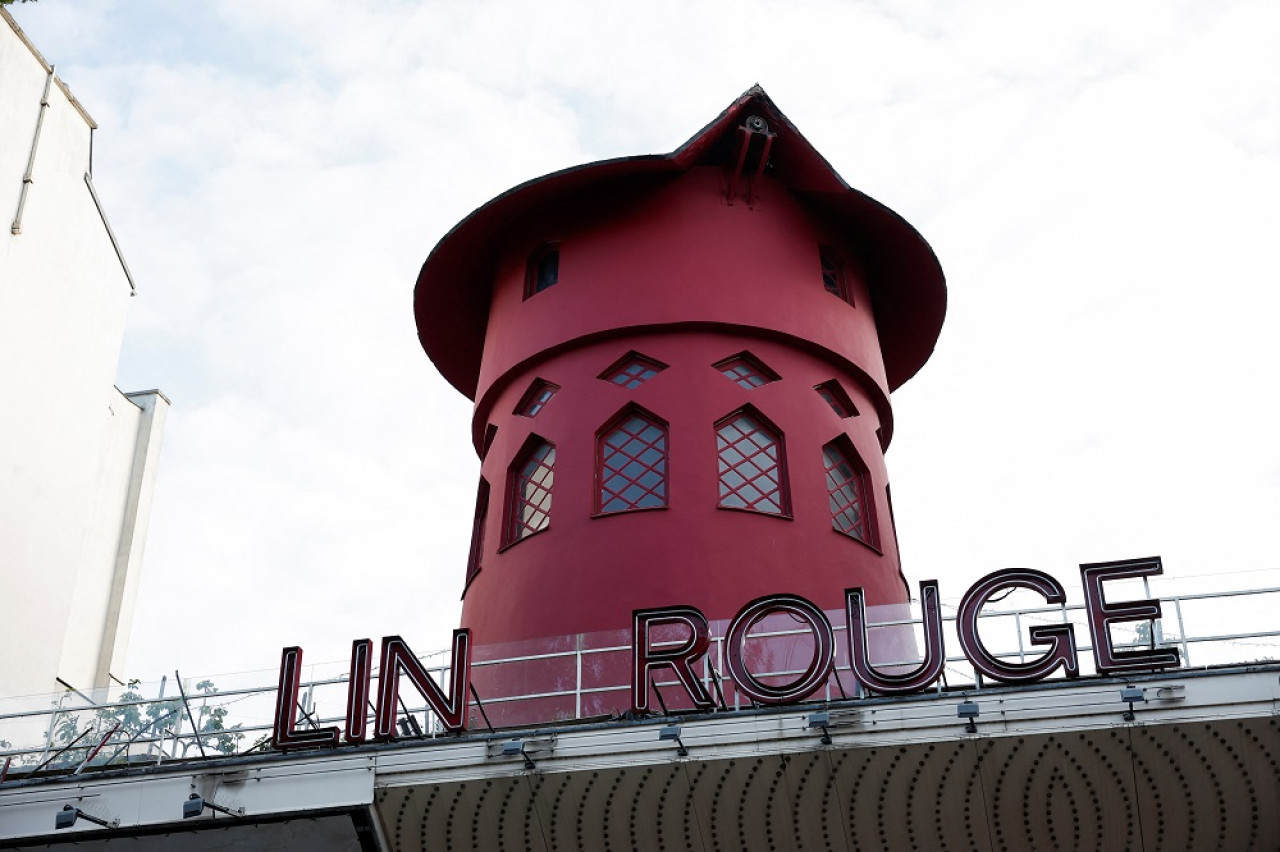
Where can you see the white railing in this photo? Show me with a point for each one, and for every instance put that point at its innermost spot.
(72, 732)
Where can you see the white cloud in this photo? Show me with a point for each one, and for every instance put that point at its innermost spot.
(1098, 181)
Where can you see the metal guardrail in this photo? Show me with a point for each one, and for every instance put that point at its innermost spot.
(72, 733)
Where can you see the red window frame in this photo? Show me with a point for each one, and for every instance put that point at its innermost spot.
(741, 456)
(543, 264)
(833, 273)
(833, 394)
(626, 467)
(849, 495)
(490, 432)
(535, 399)
(530, 480)
(476, 555)
(627, 366)
(746, 371)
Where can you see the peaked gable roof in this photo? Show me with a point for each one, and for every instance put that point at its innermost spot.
(908, 291)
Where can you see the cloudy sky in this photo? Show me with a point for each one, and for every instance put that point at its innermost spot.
(1099, 180)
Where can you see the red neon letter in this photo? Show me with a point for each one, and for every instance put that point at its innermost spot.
(358, 691)
(824, 644)
(1102, 615)
(680, 658)
(1061, 638)
(451, 708)
(934, 654)
(284, 733)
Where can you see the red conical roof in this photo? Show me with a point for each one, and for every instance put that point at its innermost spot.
(451, 301)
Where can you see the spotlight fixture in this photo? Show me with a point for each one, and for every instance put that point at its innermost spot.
(67, 817)
(672, 732)
(968, 710)
(511, 748)
(1131, 694)
(195, 805)
(820, 721)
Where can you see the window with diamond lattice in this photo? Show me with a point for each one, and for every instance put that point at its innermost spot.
(746, 371)
(752, 468)
(633, 370)
(536, 398)
(529, 500)
(849, 496)
(631, 464)
(477, 533)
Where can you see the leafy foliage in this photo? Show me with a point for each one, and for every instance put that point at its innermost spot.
(131, 719)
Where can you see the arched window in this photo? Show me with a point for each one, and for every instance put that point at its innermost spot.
(849, 491)
(477, 533)
(543, 269)
(529, 490)
(631, 463)
(752, 465)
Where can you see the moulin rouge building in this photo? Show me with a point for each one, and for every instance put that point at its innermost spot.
(681, 366)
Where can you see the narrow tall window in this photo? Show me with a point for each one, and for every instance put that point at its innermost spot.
(536, 398)
(746, 371)
(631, 463)
(477, 533)
(632, 370)
(849, 494)
(543, 269)
(529, 497)
(833, 273)
(752, 467)
(490, 432)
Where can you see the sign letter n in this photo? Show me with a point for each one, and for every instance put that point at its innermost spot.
(397, 659)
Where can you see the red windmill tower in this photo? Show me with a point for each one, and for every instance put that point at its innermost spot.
(681, 367)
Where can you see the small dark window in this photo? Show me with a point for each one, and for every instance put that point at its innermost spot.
(834, 396)
(751, 464)
(848, 491)
(536, 398)
(543, 270)
(833, 273)
(477, 533)
(490, 432)
(529, 490)
(631, 463)
(632, 370)
(745, 370)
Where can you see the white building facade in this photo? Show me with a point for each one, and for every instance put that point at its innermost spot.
(78, 457)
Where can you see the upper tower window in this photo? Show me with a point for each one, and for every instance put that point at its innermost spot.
(631, 463)
(833, 273)
(834, 396)
(543, 269)
(746, 370)
(529, 496)
(536, 398)
(848, 490)
(752, 467)
(632, 370)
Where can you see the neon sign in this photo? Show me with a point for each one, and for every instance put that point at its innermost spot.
(680, 655)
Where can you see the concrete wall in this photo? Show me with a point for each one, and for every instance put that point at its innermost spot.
(77, 457)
